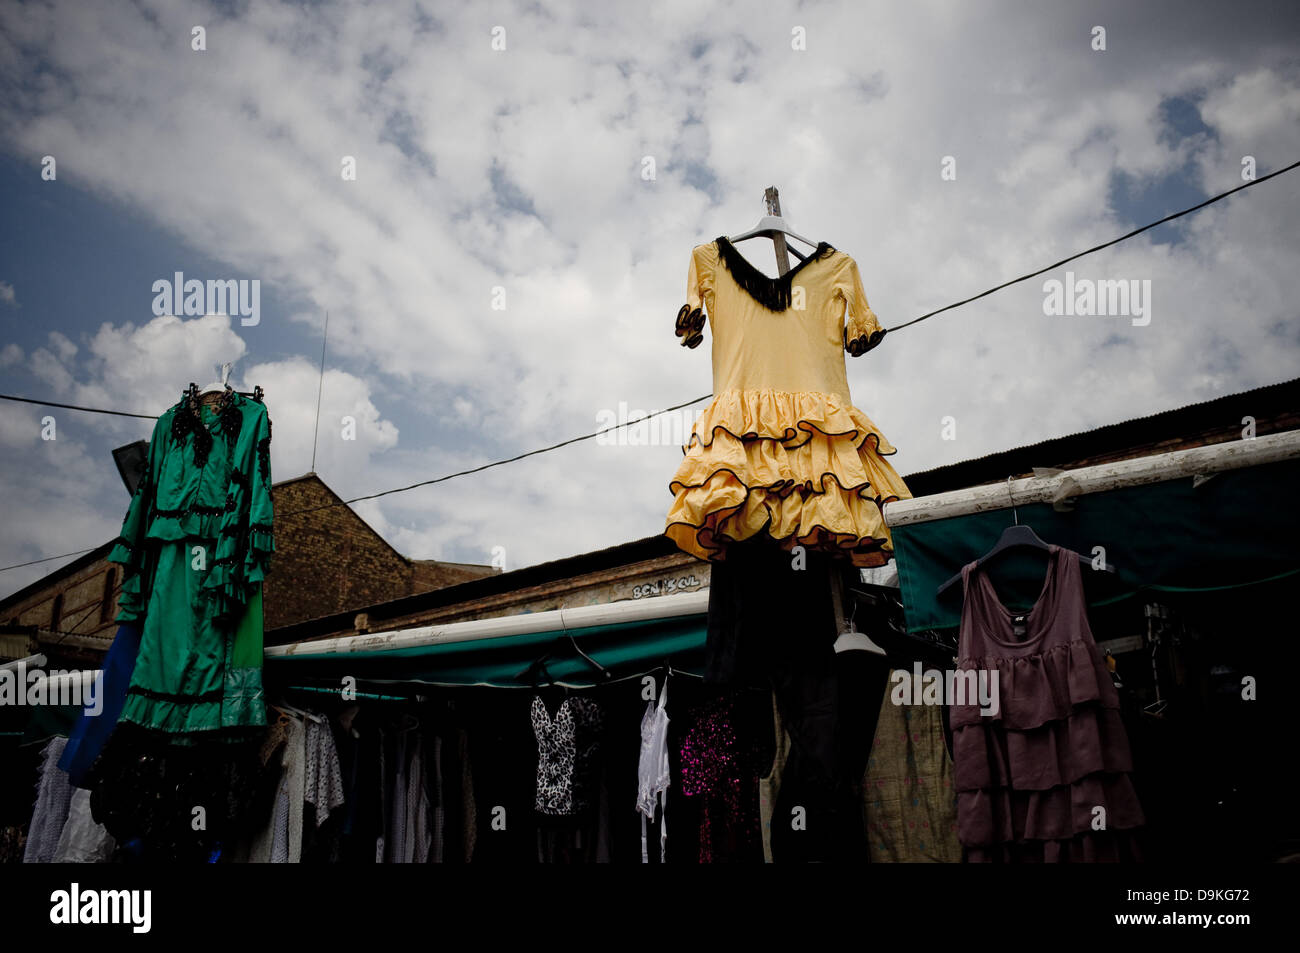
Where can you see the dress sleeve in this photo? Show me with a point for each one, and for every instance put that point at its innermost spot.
(862, 331)
(261, 536)
(699, 290)
(130, 549)
(245, 540)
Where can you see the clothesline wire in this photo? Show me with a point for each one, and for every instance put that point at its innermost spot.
(1096, 248)
(371, 496)
(497, 463)
(64, 633)
(89, 410)
(572, 440)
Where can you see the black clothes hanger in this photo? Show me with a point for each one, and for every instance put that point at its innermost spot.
(540, 664)
(883, 605)
(1017, 536)
(192, 393)
(605, 673)
(544, 686)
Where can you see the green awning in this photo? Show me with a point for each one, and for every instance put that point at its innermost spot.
(624, 649)
(1238, 528)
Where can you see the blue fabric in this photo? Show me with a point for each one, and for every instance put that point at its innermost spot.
(91, 733)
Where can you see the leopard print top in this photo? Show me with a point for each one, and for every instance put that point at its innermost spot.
(568, 746)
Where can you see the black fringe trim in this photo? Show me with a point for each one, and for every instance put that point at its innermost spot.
(787, 487)
(771, 293)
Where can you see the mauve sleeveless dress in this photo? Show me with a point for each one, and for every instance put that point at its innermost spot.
(1030, 776)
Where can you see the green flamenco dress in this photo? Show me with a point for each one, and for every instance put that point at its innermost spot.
(196, 545)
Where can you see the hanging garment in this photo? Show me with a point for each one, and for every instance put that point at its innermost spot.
(145, 791)
(1038, 776)
(280, 842)
(396, 834)
(455, 820)
(90, 734)
(567, 748)
(653, 775)
(196, 544)
(323, 780)
(419, 835)
(786, 644)
(468, 807)
(83, 841)
(362, 824)
(437, 801)
(781, 447)
(769, 786)
(13, 843)
(719, 773)
(908, 804)
(53, 799)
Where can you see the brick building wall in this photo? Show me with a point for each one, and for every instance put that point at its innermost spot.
(327, 560)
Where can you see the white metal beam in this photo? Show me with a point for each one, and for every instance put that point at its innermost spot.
(554, 620)
(1158, 468)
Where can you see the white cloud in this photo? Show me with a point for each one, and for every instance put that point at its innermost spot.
(523, 170)
(7, 295)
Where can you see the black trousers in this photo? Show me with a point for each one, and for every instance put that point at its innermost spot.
(772, 624)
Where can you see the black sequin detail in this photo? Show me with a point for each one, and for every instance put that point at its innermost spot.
(264, 456)
(231, 421)
(196, 508)
(144, 790)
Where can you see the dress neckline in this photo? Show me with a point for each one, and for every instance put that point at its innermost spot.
(1047, 597)
(771, 293)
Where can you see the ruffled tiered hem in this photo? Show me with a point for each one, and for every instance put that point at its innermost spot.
(1045, 778)
(801, 467)
(1095, 847)
(999, 816)
(1058, 753)
(1036, 689)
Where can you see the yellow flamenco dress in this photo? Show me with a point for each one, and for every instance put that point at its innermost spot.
(781, 451)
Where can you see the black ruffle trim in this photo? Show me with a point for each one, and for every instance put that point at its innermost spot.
(690, 326)
(771, 293)
(862, 343)
(787, 487)
(789, 434)
(716, 543)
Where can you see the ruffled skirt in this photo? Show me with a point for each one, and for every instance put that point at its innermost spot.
(804, 467)
(1047, 776)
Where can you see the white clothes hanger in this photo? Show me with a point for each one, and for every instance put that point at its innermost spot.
(221, 385)
(769, 225)
(851, 640)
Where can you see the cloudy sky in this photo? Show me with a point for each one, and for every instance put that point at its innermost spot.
(504, 268)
